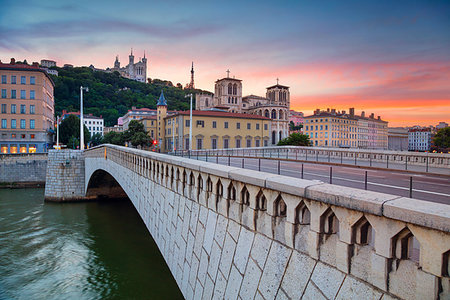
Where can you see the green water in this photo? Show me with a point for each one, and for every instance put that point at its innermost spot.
(98, 250)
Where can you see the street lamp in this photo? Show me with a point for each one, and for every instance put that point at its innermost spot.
(190, 122)
(82, 117)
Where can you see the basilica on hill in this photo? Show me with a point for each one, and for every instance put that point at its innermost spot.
(228, 96)
(135, 71)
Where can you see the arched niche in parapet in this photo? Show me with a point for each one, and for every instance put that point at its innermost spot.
(209, 189)
(406, 247)
(219, 192)
(199, 185)
(329, 229)
(102, 185)
(302, 219)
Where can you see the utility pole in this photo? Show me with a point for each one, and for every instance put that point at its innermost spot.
(57, 132)
(190, 122)
(82, 117)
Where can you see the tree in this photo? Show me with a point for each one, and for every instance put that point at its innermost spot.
(442, 138)
(136, 134)
(141, 139)
(96, 139)
(70, 129)
(295, 139)
(115, 138)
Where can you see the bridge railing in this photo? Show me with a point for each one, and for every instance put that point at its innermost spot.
(400, 160)
(399, 245)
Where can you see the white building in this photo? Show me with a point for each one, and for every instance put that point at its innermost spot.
(94, 124)
(419, 139)
(441, 125)
(48, 63)
(136, 114)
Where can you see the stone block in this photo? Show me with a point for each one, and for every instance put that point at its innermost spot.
(233, 230)
(260, 249)
(297, 274)
(208, 289)
(203, 267)
(198, 291)
(219, 289)
(221, 229)
(249, 176)
(356, 289)
(327, 279)
(313, 293)
(214, 260)
(290, 185)
(227, 255)
(233, 284)
(243, 249)
(209, 230)
(250, 281)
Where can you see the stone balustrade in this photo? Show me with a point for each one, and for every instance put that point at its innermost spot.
(327, 241)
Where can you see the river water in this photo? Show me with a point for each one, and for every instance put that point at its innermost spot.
(97, 250)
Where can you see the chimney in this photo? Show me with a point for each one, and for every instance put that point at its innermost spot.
(13, 61)
(36, 64)
(328, 110)
(372, 115)
(352, 111)
(378, 118)
(343, 112)
(363, 114)
(333, 111)
(317, 111)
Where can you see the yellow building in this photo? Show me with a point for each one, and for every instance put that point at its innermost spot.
(150, 125)
(27, 108)
(215, 130)
(332, 129)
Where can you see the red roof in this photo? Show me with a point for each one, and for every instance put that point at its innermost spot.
(221, 114)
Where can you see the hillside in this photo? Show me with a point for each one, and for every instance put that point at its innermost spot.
(111, 95)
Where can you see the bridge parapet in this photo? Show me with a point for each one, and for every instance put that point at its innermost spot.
(346, 242)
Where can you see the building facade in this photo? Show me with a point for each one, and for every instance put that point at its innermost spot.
(228, 97)
(397, 139)
(27, 108)
(372, 132)
(115, 128)
(46, 63)
(136, 114)
(96, 125)
(135, 71)
(419, 139)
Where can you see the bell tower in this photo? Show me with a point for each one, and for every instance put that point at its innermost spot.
(161, 108)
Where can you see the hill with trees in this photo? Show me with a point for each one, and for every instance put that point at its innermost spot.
(111, 95)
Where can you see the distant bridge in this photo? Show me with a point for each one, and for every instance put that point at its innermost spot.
(231, 233)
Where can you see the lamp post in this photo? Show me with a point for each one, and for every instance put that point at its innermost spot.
(82, 117)
(190, 122)
(57, 132)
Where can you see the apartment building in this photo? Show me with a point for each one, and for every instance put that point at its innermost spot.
(419, 139)
(27, 108)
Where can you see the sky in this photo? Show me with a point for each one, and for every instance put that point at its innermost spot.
(391, 58)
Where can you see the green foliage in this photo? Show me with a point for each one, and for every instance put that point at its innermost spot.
(115, 138)
(141, 139)
(96, 139)
(295, 139)
(292, 126)
(442, 138)
(69, 130)
(135, 134)
(111, 95)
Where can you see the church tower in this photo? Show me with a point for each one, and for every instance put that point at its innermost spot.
(161, 108)
(117, 63)
(191, 85)
(131, 65)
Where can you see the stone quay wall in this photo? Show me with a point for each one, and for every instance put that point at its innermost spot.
(23, 168)
(231, 233)
(65, 176)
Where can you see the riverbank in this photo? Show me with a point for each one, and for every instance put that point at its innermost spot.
(23, 170)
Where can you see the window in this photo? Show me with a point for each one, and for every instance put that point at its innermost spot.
(257, 126)
(266, 143)
(23, 109)
(238, 143)
(13, 79)
(225, 142)
(214, 143)
(13, 94)
(214, 125)
(326, 127)
(188, 123)
(249, 143)
(257, 143)
(3, 79)
(199, 144)
(13, 108)
(13, 135)
(22, 94)
(201, 123)
(13, 123)
(225, 125)
(22, 124)
(32, 80)
(32, 94)
(249, 126)
(4, 123)
(186, 141)
(3, 93)
(321, 126)
(23, 80)
(265, 126)
(238, 125)
(32, 136)
(3, 108)
(32, 109)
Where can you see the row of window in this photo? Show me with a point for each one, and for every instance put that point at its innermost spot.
(201, 123)
(96, 122)
(226, 143)
(14, 124)
(14, 149)
(23, 94)
(95, 128)
(23, 79)
(23, 109)
(332, 120)
(21, 135)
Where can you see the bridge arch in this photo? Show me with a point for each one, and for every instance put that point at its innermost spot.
(101, 184)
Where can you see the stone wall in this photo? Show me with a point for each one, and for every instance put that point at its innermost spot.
(65, 176)
(241, 234)
(23, 168)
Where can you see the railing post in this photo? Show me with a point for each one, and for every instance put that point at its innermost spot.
(341, 157)
(302, 171)
(306, 155)
(259, 164)
(328, 156)
(229, 160)
(370, 159)
(243, 163)
(427, 165)
(387, 161)
(355, 159)
(331, 175)
(317, 155)
(365, 181)
(406, 162)
(410, 186)
(217, 157)
(296, 155)
(278, 167)
(278, 152)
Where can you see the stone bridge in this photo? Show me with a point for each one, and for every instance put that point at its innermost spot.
(231, 233)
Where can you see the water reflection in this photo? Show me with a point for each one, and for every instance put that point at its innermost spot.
(77, 251)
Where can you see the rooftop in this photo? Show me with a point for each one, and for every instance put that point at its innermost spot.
(220, 114)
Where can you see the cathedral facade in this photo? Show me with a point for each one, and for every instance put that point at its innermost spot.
(135, 71)
(228, 96)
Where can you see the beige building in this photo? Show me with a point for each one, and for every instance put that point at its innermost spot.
(228, 97)
(27, 108)
(372, 132)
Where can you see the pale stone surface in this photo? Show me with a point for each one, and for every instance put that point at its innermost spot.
(297, 274)
(198, 292)
(312, 293)
(219, 289)
(233, 284)
(208, 289)
(274, 270)
(203, 267)
(227, 255)
(233, 230)
(221, 229)
(327, 279)
(251, 280)
(250, 176)
(281, 295)
(290, 185)
(210, 229)
(243, 249)
(355, 289)
(260, 250)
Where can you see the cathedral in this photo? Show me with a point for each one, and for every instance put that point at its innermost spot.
(135, 71)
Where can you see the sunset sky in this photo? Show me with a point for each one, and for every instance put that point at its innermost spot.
(387, 57)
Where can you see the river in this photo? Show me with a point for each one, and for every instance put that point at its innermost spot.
(96, 250)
